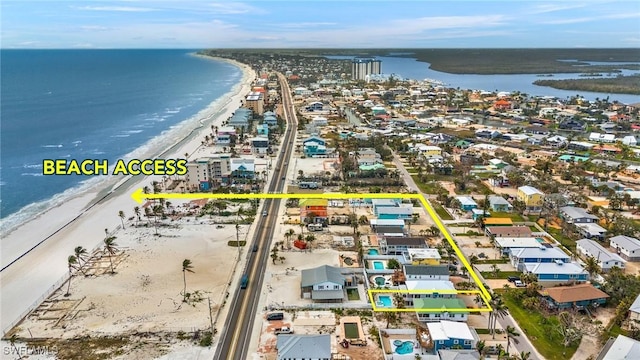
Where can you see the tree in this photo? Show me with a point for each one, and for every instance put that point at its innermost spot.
(80, 254)
(110, 247)
(523, 355)
(274, 254)
(121, 216)
(434, 230)
(136, 210)
(288, 234)
(482, 348)
(512, 334)
(393, 264)
(72, 261)
(592, 267)
(499, 311)
(398, 301)
(495, 270)
(186, 267)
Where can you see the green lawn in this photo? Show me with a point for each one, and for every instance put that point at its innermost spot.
(515, 217)
(539, 328)
(427, 188)
(352, 294)
(444, 215)
(493, 261)
(558, 235)
(501, 274)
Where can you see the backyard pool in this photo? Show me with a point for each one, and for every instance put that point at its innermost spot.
(351, 331)
(540, 240)
(374, 252)
(378, 265)
(380, 281)
(385, 300)
(403, 347)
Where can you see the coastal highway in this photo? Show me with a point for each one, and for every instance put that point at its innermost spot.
(236, 335)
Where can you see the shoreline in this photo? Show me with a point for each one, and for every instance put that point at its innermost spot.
(51, 235)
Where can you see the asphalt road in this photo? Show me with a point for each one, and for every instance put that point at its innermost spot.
(236, 335)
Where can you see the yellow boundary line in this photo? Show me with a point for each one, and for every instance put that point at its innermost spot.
(139, 196)
(372, 292)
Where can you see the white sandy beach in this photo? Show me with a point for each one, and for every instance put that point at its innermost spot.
(31, 277)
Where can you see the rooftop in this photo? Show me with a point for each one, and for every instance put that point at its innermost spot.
(575, 293)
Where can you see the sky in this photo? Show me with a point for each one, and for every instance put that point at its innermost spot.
(319, 24)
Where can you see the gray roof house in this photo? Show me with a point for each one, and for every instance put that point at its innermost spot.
(498, 203)
(426, 272)
(606, 259)
(619, 349)
(627, 247)
(634, 310)
(307, 347)
(324, 284)
(576, 215)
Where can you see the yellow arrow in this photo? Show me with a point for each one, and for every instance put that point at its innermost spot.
(139, 196)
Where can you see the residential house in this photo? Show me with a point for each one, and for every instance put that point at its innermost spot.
(508, 231)
(531, 197)
(304, 347)
(404, 212)
(270, 120)
(573, 297)
(541, 254)
(390, 230)
(537, 130)
(314, 146)
(572, 124)
(240, 118)
(457, 355)
(466, 203)
(323, 284)
(506, 244)
(591, 231)
(437, 308)
(451, 334)
(629, 140)
(627, 247)
(380, 203)
(375, 223)
(498, 203)
(634, 310)
(263, 130)
(243, 168)
(556, 273)
(422, 257)
(259, 145)
(399, 245)
(315, 106)
(606, 259)
(224, 135)
(620, 348)
(313, 210)
(426, 272)
(603, 138)
(430, 151)
(576, 215)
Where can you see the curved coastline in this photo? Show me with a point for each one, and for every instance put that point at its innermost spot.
(29, 250)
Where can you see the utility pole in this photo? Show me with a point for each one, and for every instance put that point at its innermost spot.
(210, 316)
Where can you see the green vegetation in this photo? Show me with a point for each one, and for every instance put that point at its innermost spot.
(234, 243)
(444, 215)
(515, 217)
(431, 187)
(500, 274)
(351, 331)
(493, 261)
(541, 329)
(352, 294)
(90, 348)
(616, 85)
(563, 239)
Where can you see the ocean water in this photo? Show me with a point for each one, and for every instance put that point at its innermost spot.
(94, 104)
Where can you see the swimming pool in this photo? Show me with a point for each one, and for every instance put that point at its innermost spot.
(385, 300)
(405, 347)
(374, 252)
(380, 280)
(378, 265)
(540, 240)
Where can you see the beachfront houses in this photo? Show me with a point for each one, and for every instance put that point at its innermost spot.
(576, 297)
(399, 245)
(304, 347)
(225, 134)
(452, 335)
(255, 102)
(240, 118)
(507, 244)
(556, 273)
(314, 146)
(426, 272)
(606, 259)
(576, 215)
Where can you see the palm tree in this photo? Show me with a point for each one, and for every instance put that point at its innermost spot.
(592, 266)
(512, 334)
(288, 234)
(482, 348)
(136, 210)
(72, 261)
(110, 247)
(186, 267)
(121, 216)
(499, 311)
(80, 254)
(523, 355)
(434, 230)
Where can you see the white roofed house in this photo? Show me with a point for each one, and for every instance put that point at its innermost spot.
(521, 256)
(556, 273)
(629, 140)
(606, 259)
(304, 347)
(591, 231)
(627, 247)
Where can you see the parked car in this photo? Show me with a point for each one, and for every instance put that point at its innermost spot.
(275, 316)
(283, 330)
(513, 278)
(358, 342)
(519, 283)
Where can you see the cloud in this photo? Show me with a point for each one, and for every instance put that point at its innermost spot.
(304, 25)
(554, 7)
(592, 18)
(114, 8)
(94, 28)
(231, 8)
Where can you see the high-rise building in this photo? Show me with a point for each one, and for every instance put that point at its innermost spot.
(361, 67)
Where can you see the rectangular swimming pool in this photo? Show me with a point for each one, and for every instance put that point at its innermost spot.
(373, 252)
(378, 265)
(385, 300)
